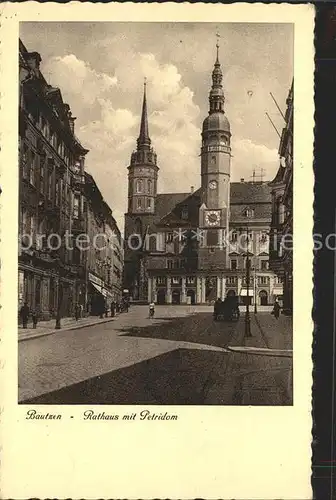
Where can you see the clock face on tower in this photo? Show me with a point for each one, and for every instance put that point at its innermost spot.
(212, 218)
(213, 184)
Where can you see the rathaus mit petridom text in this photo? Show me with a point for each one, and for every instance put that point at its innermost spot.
(188, 248)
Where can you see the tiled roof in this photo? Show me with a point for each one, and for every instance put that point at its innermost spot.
(166, 202)
(262, 211)
(242, 195)
(249, 193)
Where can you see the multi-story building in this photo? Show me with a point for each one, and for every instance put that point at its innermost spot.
(281, 255)
(51, 176)
(188, 247)
(104, 253)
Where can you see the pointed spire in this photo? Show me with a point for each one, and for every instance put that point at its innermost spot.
(217, 46)
(216, 98)
(143, 139)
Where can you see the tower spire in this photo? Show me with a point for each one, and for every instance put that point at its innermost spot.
(143, 139)
(216, 97)
(217, 47)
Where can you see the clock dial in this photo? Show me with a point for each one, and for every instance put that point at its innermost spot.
(213, 184)
(212, 218)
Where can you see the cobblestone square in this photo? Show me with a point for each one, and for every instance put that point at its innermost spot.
(182, 356)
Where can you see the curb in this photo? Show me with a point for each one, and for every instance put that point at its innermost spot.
(52, 332)
(261, 351)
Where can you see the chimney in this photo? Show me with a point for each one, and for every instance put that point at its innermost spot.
(192, 189)
(242, 179)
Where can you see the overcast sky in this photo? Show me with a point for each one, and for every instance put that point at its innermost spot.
(100, 68)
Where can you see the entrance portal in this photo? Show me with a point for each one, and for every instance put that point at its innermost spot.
(192, 295)
(211, 289)
(161, 296)
(176, 297)
(263, 298)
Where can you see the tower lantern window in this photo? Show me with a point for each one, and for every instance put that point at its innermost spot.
(139, 186)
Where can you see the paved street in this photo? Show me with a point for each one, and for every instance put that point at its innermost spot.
(180, 357)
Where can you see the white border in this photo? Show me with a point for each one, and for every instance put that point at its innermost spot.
(211, 452)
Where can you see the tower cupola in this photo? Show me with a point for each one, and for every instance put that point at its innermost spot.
(216, 119)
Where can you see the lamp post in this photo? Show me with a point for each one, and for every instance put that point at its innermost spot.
(255, 288)
(59, 301)
(247, 314)
(248, 267)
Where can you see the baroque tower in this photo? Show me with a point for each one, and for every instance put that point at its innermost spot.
(216, 150)
(215, 178)
(143, 170)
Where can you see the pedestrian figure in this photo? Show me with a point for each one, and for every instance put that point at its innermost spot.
(77, 311)
(276, 309)
(112, 309)
(24, 313)
(35, 317)
(106, 310)
(81, 310)
(217, 308)
(151, 310)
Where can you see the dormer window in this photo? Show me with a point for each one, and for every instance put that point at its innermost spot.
(249, 212)
(184, 213)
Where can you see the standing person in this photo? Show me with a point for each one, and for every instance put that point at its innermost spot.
(35, 317)
(276, 309)
(24, 313)
(217, 308)
(77, 311)
(112, 309)
(151, 310)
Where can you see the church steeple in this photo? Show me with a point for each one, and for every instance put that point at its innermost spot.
(144, 141)
(216, 97)
(143, 170)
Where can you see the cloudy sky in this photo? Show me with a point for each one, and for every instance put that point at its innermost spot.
(100, 69)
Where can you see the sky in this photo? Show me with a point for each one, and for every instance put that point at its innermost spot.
(100, 69)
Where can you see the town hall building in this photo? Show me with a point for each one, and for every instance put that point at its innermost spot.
(190, 248)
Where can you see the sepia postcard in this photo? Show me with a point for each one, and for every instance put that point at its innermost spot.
(156, 250)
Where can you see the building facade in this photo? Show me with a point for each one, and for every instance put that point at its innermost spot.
(193, 247)
(281, 254)
(104, 254)
(51, 167)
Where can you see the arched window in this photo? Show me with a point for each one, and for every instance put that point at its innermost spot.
(138, 226)
(139, 204)
(149, 186)
(138, 186)
(213, 159)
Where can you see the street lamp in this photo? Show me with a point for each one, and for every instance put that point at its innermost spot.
(247, 314)
(59, 300)
(255, 288)
(248, 267)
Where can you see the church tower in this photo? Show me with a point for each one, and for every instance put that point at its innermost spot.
(216, 157)
(143, 170)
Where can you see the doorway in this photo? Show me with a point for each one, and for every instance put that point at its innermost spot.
(263, 298)
(192, 295)
(161, 296)
(176, 297)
